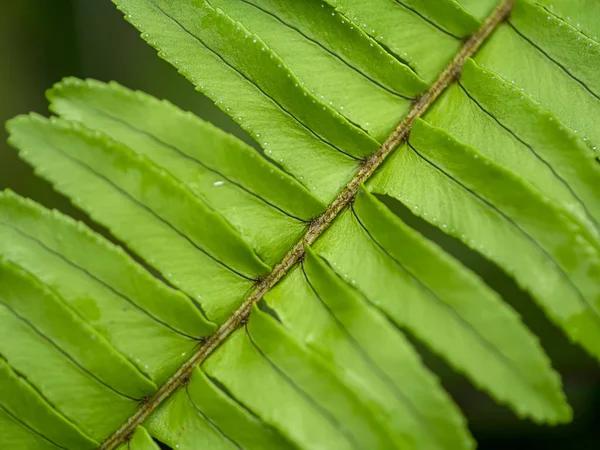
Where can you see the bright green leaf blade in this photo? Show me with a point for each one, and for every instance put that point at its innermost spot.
(430, 417)
(122, 113)
(574, 51)
(563, 240)
(464, 117)
(50, 247)
(315, 379)
(441, 191)
(181, 426)
(267, 207)
(140, 440)
(140, 180)
(261, 388)
(335, 82)
(256, 90)
(319, 23)
(19, 399)
(479, 310)
(302, 312)
(75, 242)
(513, 58)
(16, 435)
(425, 47)
(404, 285)
(448, 14)
(568, 155)
(79, 395)
(251, 58)
(479, 8)
(233, 420)
(51, 316)
(583, 14)
(53, 148)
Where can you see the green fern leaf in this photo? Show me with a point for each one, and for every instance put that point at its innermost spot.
(262, 299)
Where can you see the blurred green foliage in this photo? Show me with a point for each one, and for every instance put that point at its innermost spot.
(42, 41)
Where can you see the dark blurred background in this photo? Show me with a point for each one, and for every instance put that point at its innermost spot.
(42, 41)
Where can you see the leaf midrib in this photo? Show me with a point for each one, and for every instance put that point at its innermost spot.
(316, 227)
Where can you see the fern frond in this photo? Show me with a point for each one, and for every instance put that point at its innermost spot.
(283, 284)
